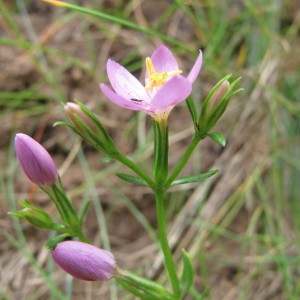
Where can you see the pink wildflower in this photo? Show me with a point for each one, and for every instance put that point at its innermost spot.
(164, 86)
(84, 261)
(35, 161)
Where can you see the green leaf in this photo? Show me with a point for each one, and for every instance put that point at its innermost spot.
(194, 178)
(131, 178)
(218, 137)
(188, 273)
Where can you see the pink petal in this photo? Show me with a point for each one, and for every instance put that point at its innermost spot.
(176, 90)
(163, 60)
(126, 103)
(124, 83)
(196, 68)
(84, 261)
(35, 161)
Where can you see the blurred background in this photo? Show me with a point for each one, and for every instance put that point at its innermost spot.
(241, 227)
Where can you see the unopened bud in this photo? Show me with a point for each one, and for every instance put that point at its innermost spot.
(220, 92)
(84, 261)
(72, 110)
(35, 161)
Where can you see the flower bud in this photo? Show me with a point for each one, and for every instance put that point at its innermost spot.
(35, 161)
(90, 128)
(72, 110)
(84, 261)
(36, 217)
(219, 93)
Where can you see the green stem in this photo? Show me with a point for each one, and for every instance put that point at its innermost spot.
(168, 258)
(161, 150)
(183, 160)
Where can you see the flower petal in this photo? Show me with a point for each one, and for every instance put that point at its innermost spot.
(124, 83)
(119, 100)
(84, 261)
(196, 68)
(174, 91)
(163, 60)
(35, 161)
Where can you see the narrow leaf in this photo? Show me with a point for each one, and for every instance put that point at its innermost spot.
(131, 178)
(218, 137)
(187, 275)
(194, 178)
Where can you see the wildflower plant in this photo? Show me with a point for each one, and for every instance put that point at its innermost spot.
(164, 87)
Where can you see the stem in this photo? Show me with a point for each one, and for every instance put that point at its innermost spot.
(161, 150)
(168, 258)
(183, 161)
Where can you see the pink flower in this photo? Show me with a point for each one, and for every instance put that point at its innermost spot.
(164, 86)
(35, 161)
(84, 261)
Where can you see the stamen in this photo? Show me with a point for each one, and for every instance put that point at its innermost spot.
(156, 80)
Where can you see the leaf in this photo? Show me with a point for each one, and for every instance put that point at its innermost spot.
(131, 178)
(194, 178)
(188, 273)
(218, 137)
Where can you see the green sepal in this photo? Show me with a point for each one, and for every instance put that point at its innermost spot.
(218, 137)
(62, 123)
(33, 215)
(105, 137)
(131, 179)
(87, 125)
(63, 205)
(188, 273)
(142, 287)
(83, 211)
(208, 99)
(194, 178)
(211, 112)
(57, 239)
(192, 108)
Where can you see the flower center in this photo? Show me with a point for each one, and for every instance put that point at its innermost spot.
(156, 80)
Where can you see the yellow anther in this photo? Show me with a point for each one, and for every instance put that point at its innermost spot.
(155, 79)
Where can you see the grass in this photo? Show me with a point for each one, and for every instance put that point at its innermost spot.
(242, 226)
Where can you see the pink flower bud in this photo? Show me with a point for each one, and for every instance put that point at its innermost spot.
(220, 92)
(73, 109)
(84, 261)
(35, 161)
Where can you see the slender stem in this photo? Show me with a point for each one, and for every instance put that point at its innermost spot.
(161, 224)
(161, 150)
(183, 161)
